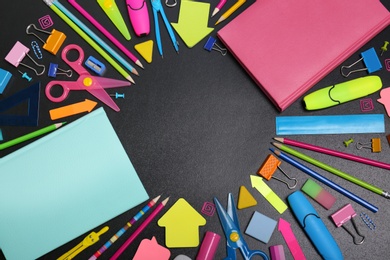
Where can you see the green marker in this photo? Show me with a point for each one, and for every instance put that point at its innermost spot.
(29, 136)
(343, 92)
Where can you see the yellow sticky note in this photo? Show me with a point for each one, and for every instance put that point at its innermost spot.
(145, 49)
(245, 199)
(181, 224)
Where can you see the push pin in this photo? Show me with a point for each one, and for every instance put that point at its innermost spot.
(53, 42)
(25, 76)
(342, 217)
(211, 45)
(118, 95)
(53, 71)
(17, 54)
(270, 164)
(348, 142)
(375, 145)
(370, 59)
(384, 47)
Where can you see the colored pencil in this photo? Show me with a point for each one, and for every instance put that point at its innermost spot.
(140, 229)
(230, 11)
(325, 181)
(29, 136)
(105, 32)
(88, 39)
(129, 224)
(333, 170)
(334, 153)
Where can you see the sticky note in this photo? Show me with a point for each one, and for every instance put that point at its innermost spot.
(261, 227)
(150, 249)
(245, 199)
(145, 49)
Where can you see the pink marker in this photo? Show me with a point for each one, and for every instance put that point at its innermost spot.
(218, 7)
(139, 16)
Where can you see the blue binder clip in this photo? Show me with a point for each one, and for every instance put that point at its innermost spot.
(370, 59)
(211, 45)
(95, 65)
(53, 71)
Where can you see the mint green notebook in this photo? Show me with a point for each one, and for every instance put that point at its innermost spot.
(64, 185)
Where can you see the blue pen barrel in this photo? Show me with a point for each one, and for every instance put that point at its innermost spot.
(314, 227)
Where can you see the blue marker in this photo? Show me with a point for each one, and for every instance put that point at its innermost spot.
(314, 227)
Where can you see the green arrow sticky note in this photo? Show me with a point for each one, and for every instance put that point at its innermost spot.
(192, 25)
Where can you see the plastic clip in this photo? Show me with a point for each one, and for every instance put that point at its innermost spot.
(53, 42)
(17, 54)
(270, 164)
(342, 216)
(211, 45)
(370, 59)
(375, 145)
(53, 71)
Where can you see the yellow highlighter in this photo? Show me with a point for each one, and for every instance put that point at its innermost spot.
(343, 92)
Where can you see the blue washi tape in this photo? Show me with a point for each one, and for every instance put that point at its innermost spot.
(335, 124)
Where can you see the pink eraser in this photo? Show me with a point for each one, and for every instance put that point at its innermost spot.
(319, 194)
(17, 54)
(277, 252)
(209, 246)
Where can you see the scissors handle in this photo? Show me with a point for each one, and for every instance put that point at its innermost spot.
(65, 90)
(76, 65)
(252, 253)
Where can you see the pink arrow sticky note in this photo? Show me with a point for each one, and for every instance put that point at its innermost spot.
(150, 249)
(292, 243)
(385, 99)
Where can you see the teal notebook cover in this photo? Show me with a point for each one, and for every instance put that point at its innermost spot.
(64, 185)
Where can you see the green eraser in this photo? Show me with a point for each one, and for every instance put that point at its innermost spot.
(319, 194)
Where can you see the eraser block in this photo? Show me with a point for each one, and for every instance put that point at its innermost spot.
(319, 194)
(277, 252)
(261, 227)
(5, 76)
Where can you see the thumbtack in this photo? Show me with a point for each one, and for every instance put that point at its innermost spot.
(341, 218)
(384, 47)
(348, 142)
(25, 76)
(270, 164)
(370, 59)
(375, 145)
(118, 95)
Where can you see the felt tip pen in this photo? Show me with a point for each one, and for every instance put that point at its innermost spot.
(314, 227)
(343, 92)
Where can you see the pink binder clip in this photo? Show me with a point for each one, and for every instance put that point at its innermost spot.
(342, 217)
(17, 54)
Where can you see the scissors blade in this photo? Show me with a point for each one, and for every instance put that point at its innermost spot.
(102, 95)
(226, 221)
(231, 210)
(111, 83)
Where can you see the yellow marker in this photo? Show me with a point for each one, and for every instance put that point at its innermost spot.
(112, 11)
(145, 49)
(230, 11)
(245, 199)
(89, 240)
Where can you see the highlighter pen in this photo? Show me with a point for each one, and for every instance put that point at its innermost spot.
(343, 92)
(314, 227)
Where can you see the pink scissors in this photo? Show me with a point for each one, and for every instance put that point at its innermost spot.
(93, 84)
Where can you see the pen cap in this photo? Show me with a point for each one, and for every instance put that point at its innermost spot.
(314, 227)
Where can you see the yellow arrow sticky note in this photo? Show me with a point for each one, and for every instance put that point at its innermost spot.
(259, 184)
(145, 49)
(192, 25)
(181, 224)
(245, 199)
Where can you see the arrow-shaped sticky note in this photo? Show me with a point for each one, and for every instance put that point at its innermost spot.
(73, 109)
(292, 243)
(269, 195)
(192, 25)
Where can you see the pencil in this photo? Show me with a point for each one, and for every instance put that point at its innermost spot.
(139, 229)
(29, 136)
(129, 224)
(88, 39)
(325, 181)
(230, 11)
(327, 151)
(333, 170)
(106, 32)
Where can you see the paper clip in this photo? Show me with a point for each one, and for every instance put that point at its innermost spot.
(36, 49)
(375, 145)
(368, 221)
(211, 45)
(17, 54)
(53, 42)
(370, 59)
(270, 164)
(342, 216)
(53, 71)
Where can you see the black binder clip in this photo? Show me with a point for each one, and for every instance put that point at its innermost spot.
(370, 59)
(211, 45)
(53, 43)
(342, 216)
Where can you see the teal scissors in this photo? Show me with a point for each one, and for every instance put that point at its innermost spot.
(157, 7)
(231, 227)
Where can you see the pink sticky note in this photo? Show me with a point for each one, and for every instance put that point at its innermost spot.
(150, 249)
(385, 99)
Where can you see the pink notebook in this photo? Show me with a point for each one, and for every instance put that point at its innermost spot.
(288, 46)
